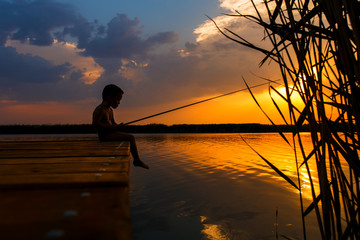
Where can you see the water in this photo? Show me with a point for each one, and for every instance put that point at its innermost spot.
(213, 186)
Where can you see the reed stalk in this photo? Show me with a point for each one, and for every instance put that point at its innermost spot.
(316, 44)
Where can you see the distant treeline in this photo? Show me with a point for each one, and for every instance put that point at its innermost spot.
(150, 128)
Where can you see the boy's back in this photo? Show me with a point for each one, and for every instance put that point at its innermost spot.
(103, 119)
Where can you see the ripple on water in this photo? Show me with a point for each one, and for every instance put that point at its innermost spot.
(212, 186)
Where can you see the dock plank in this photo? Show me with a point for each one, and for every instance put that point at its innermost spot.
(58, 168)
(64, 180)
(65, 189)
(58, 153)
(62, 149)
(67, 159)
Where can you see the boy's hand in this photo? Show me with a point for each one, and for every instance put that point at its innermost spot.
(120, 126)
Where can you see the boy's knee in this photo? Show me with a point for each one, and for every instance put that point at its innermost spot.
(131, 137)
(128, 137)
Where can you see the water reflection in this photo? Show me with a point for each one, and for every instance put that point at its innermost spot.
(227, 152)
(213, 186)
(212, 231)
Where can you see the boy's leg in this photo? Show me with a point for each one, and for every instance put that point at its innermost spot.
(119, 136)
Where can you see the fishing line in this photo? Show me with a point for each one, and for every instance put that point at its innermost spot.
(192, 104)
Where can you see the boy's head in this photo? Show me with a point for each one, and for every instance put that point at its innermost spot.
(112, 94)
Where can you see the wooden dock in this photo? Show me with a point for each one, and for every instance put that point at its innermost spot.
(67, 188)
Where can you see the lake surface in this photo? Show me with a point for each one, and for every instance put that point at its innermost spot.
(213, 186)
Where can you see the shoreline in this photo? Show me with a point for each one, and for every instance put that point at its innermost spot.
(149, 128)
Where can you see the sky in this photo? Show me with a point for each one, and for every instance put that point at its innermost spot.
(56, 56)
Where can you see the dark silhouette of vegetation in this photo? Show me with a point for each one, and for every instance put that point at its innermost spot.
(150, 128)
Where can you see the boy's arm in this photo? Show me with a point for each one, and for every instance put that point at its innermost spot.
(112, 119)
(102, 125)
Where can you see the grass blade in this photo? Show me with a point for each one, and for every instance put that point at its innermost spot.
(312, 206)
(273, 167)
(257, 103)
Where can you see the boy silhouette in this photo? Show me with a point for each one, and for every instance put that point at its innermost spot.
(105, 125)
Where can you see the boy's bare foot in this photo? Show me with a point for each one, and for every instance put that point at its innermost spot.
(139, 163)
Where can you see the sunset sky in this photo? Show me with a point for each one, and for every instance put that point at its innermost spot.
(57, 55)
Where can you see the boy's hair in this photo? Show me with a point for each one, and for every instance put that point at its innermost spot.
(111, 90)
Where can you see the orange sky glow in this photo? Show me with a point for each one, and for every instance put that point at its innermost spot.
(237, 108)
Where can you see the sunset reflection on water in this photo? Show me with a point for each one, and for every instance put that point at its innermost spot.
(225, 188)
(229, 153)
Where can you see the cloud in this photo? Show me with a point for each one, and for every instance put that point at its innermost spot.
(35, 53)
(206, 71)
(18, 68)
(60, 53)
(122, 40)
(240, 5)
(34, 21)
(24, 77)
(207, 30)
(27, 76)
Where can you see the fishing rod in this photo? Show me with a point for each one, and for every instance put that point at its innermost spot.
(192, 104)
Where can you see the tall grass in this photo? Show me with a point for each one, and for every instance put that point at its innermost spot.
(316, 44)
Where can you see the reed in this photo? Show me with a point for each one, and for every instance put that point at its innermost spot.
(316, 44)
